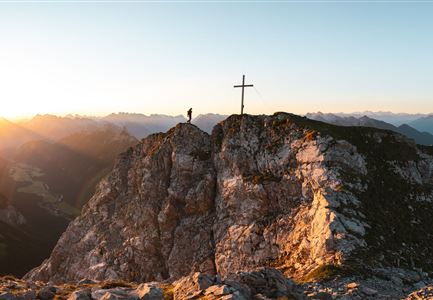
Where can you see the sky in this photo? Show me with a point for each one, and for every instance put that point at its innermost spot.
(94, 58)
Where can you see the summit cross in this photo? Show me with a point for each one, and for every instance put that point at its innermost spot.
(243, 86)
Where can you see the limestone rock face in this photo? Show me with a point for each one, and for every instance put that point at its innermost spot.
(276, 190)
(280, 191)
(150, 219)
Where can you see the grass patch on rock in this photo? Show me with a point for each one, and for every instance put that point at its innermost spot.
(322, 273)
(115, 284)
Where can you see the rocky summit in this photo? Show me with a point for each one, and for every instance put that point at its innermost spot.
(265, 207)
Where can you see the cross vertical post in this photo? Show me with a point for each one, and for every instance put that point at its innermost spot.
(243, 86)
(243, 89)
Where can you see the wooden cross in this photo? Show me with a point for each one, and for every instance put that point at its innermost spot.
(243, 86)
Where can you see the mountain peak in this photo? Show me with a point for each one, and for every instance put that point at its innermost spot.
(279, 191)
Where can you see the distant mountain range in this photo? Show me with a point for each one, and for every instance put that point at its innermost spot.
(13, 135)
(420, 122)
(208, 121)
(423, 138)
(395, 119)
(54, 127)
(423, 124)
(140, 125)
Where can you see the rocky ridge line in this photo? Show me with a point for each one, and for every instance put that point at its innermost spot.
(302, 196)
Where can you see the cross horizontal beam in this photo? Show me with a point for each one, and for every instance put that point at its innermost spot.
(244, 85)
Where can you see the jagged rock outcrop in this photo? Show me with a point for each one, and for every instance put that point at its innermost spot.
(277, 186)
(308, 198)
(150, 219)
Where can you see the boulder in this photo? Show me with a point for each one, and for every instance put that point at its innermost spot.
(149, 291)
(84, 294)
(218, 290)
(192, 286)
(47, 293)
(114, 294)
(269, 282)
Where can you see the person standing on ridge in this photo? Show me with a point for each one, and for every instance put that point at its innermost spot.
(189, 115)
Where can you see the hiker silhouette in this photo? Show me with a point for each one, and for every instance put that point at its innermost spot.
(189, 115)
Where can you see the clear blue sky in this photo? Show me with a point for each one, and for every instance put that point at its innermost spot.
(95, 58)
